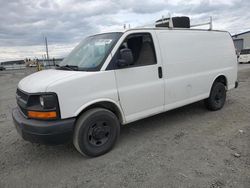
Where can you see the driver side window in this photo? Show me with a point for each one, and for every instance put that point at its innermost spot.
(142, 48)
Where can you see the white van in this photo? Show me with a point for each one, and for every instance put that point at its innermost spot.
(244, 56)
(119, 77)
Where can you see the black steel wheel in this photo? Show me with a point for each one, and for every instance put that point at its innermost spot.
(217, 97)
(96, 132)
(99, 133)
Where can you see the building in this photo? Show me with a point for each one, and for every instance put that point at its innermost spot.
(12, 65)
(242, 41)
(49, 63)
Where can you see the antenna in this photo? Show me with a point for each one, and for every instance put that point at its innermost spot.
(47, 49)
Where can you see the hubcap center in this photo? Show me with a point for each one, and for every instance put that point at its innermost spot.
(98, 133)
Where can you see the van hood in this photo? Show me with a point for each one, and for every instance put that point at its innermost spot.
(39, 81)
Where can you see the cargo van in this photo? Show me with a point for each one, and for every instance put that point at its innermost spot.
(115, 78)
(244, 56)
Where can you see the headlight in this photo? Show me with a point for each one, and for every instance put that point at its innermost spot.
(48, 101)
(43, 106)
(41, 101)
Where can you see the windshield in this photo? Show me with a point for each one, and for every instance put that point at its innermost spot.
(91, 53)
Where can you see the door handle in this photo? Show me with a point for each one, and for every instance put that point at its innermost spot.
(160, 72)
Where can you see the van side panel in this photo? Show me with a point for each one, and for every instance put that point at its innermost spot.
(192, 61)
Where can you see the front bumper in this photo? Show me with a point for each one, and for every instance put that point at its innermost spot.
(44, 132)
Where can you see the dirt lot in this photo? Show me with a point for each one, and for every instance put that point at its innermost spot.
(187, 147)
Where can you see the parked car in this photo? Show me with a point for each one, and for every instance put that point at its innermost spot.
(2, 68)
(244, 56)
(116, 78)
(32, 65)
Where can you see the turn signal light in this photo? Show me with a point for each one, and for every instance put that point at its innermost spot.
(42, 115)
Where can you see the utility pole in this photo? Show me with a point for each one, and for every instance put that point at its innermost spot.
(47, 50)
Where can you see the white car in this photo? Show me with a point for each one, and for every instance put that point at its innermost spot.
(244, 56)
(116, 78)
(32, 65)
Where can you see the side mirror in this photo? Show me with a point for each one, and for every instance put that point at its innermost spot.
(126, 58)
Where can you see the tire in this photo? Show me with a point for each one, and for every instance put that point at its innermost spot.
(217, 97)
(96, 132)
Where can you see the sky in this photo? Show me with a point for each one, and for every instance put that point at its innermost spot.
(25, 23)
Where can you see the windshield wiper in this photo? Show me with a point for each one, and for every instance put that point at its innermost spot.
(68, 67)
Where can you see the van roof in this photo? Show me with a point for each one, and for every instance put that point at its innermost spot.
(159, 28)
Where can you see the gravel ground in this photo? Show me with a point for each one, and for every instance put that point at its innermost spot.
(186, 147)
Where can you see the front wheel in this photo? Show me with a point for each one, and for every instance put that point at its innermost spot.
(96, 132)
(217, 97)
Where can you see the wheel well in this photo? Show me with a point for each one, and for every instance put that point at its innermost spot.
(221, 79)
(107, 105)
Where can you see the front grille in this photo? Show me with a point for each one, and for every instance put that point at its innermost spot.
(22, 95)
(22, 100)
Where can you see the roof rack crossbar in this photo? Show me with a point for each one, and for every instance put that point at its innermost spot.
(210, 23)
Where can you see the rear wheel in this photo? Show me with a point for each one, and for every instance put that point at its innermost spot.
(217, 97)
(96, 132)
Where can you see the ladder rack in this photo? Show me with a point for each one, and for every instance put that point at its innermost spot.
(169, 20)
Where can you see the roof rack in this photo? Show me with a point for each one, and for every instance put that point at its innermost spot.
(169, 20)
